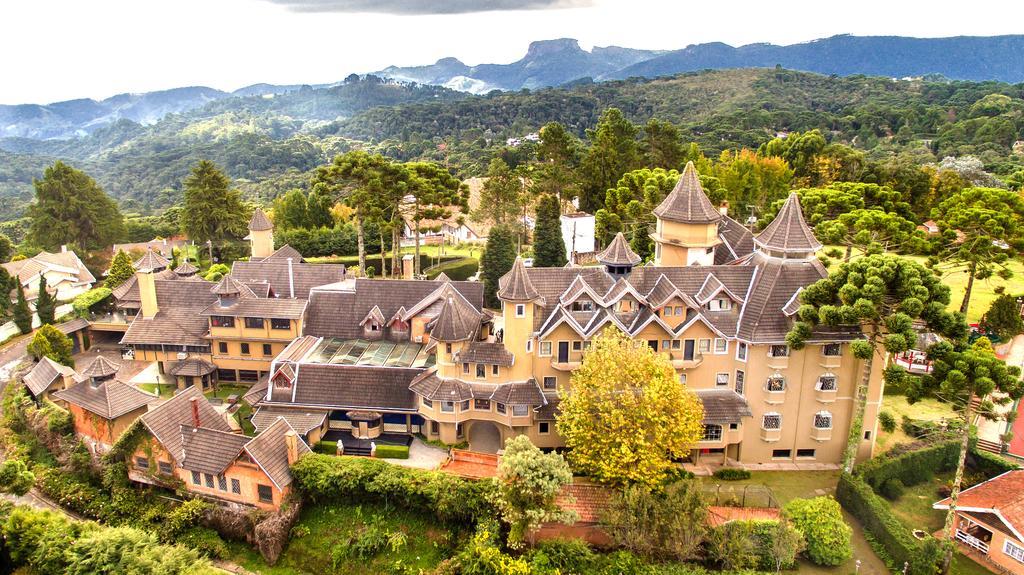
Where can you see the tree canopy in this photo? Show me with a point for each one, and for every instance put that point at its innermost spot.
(213, 210)
(499, 255)
(528, 483)
(48, 341)
(121, 270)
(548, 244)
(71, 209)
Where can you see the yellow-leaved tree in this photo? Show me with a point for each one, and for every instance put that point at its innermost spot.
(627, 416)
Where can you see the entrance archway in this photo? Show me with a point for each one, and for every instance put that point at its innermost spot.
(484, 437)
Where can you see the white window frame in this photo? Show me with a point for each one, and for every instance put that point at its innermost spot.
(775, 376)
(450, 407)
(711, 427)
(677, 344)
(541, 349)
(835, 382)
(741, 351)
(781, 346)
(775, 415)
(427, 403)
(701, 345)
(544, 383)
(543, 428)
(520, 410)
(682, 378)
(520, 310)
(1013, 551)
(724, 343)
(825, 346)
(823, 415)
(529, 345)
(740, 380)
(577, 345)
(722, 379)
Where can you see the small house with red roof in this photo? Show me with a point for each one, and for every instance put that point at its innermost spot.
(990, 521)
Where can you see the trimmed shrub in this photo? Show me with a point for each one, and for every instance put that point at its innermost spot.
(392, 452)
(887, 421)
(892, 489)
(732, 474)
(912, 468)
(875, 514)
(733, 546)
(821, 521)
(84, 303)
(989, 464)
(326, 447)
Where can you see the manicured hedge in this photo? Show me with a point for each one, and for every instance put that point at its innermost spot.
(84, 303)
(989, 464)
(911, 468)
(323, 478)
(392, 452)
(326, 447)
(875, 514)
(731, 474)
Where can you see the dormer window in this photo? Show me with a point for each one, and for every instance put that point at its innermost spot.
(372, 326)
(583, 305)
(720, 304)
(625, 305)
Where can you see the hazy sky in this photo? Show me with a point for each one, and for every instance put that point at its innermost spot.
(56, 50)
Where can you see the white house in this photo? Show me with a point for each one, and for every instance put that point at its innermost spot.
(65, 273)
(578, 234)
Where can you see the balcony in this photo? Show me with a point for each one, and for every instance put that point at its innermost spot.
(565, 365)
(679, 362)
(825, 395)
(771, 435)
(972, 541)
(821, 434)
(774, 397)
(116, 321)
(777, 361)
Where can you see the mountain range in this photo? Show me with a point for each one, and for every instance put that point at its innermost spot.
(556, 63)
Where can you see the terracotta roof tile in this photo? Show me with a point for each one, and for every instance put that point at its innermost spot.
(1003, 495)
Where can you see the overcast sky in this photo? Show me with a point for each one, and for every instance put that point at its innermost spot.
(55, 50)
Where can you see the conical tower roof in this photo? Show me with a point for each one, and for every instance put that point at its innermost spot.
(100, 367)
(186, 268)
(457, 320)
(260, 222)
(788, 232)
(229, 286)
(517, 286)
(152, 262)
(687, 203)
(618, 253)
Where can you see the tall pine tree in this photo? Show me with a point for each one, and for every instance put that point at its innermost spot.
(548, 245)
(70, 208)
(213, 211)
(499, 255)
(46, 303)
(22, 313)
(121, 270)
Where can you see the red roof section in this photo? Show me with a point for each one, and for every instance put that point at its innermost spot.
(1003, 493)
(589, 500)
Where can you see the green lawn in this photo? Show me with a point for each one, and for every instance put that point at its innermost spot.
(964, 566)
(244, 409)
(161, 389)
(914, 507)
(321, 528)
(897, 405)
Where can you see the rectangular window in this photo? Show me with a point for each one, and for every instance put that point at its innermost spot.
(682, 378)
(823, 420)
(734, 426)
(458, 430)
(520, 310)
(741, 351)
(543, 428)
(254, 322)
(481, 370)
(721, 345)
(447, 406)
(778, 351)
(279, 323)
(677, 344)
(805, 453)
(1011, 549)
(222, 483)
(268, 350)
(679, 309)
(245, 349)
(722, 379)
(586, 345)
(226, 374)
(265, 493)
(771, 421)
(236, 487)
(465, 367)
(248, 375)
(712, 433)
(142, 463)
(195, 478)
(577, 345)
(583, 305)
(209, 480)
(740, 381)
(500, 407)
(520, 410)
(720, 304)
(781, 453)
(494, 369)
(464, 406)
(827, 383)
(222, 321)
(545, 349)
(427, 403)
(482, 404)
(550, 382)
(832, 349)
(222, 347)
(434, 428)
(165, 467)
(666, 344)
(703, 346)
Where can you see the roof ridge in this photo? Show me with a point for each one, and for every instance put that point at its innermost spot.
(687, 203)
(788, 232)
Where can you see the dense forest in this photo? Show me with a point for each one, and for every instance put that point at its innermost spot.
(270, 145)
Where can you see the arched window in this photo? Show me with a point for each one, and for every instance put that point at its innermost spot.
(776, 382)
(823, 420)
(772, 420)
(828, 382)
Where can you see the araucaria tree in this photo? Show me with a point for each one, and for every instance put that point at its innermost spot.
(548, 245)
(499, 255)
(46, 303)
(121, 270)
(626, 418)
(528, 483)
(980, 228)
(1003, 317)
(70, 208)
(975, 382)
(613, 151)
(869, 230)
(434, 191)
(213, 211)
(883, 295)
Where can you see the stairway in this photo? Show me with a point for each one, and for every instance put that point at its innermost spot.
(357, 450)
(990, 446)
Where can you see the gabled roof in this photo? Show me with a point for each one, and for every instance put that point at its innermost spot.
(737, 241)
(302, 420)
(687, 203)
(788, 232)
(713, 286)
(285, 253)
(192, 367)
(208, 450)
(100, 367)
(618, 253)
(165, 420)
(288, 278)
(178, 321)
(723, 406)
(458, 320)
(270, 451)
(260, 222)
(517, 287)
(43, 374)
(374, 314)
(68, 262)
(152, 262)
(1002, 496)
(109, 400)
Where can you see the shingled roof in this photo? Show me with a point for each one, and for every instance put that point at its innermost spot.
(788, 232)
(208, 450)
(229, 286)
(687, 203)
(302, 420)
(517, 286)
(723, 406)
(109, 400)
(458, 320)
(43, 374)
(192, 367)
(618, 253)
(349, 387)
(178, 321)
(100, 367)
(491, 353)
(260, 222)
(186, 268)
(288, 280)
(152, 262)
(270, 451)
(1001, 497)
(165, 420)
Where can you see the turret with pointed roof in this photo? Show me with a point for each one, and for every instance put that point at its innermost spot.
(687, 229)
(261, 235)
(260, 222)
(517, 287)
(100, 369)
(458, 320)
(186, 269)
(788, 236)
(618, 259)
(152, 262)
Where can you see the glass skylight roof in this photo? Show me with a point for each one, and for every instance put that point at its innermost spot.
(371, 353)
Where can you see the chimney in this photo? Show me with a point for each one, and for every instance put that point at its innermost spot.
(407, 266)
(723, 208)
(195, 412)
(63, 248)
(291, 441)
(147, 293)
(291, 280)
